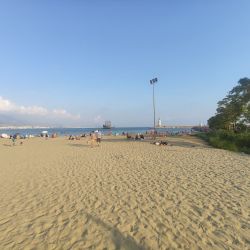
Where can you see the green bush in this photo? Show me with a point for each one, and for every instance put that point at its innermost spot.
(239, 142)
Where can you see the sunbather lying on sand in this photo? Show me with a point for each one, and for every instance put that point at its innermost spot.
(161, 143)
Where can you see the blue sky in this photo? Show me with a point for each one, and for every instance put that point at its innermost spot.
(78, 63)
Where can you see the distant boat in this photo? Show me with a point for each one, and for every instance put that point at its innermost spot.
(107, 125)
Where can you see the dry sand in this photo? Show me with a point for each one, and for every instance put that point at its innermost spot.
(60, 194)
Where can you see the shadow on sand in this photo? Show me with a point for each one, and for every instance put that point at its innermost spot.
(123, 140)
(179, 142)
(172, 141)
(187, 143)
(120, 241)
(79, 145)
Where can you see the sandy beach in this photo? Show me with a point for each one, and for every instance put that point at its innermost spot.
(61, 194)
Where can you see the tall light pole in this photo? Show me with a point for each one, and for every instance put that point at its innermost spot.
(153, 82)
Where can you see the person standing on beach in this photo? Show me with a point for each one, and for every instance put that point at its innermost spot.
(93, 139)
(13, 138)
(99, 137)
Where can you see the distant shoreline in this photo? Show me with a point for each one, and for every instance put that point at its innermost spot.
(41, 127)
(25, 127)
(77, 131)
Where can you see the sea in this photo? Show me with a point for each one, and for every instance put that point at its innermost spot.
(79, 131)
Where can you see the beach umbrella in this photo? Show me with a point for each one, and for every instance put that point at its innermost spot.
(5, 136)
(44, 133)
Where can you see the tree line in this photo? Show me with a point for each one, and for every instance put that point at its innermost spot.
(233, 112)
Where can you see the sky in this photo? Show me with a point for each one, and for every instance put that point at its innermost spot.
(78, 63)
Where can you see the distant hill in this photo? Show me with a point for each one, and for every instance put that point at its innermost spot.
(8, 120)
(19, 121)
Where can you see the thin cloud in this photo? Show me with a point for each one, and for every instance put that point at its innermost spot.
(98, 119)
(7, 106)
(65, 113)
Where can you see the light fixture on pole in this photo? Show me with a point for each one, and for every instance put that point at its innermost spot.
(153, 82)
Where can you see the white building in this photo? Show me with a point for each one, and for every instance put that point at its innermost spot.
(159, 122)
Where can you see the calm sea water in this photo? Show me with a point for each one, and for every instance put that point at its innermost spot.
(78, 131)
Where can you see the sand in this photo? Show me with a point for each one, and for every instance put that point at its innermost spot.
(60, 194)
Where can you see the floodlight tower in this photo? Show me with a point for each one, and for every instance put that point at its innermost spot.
(153, 82)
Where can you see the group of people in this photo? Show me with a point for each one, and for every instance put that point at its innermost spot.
(95, 138)
(136, 137)
(76, 137)
(14, 138)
